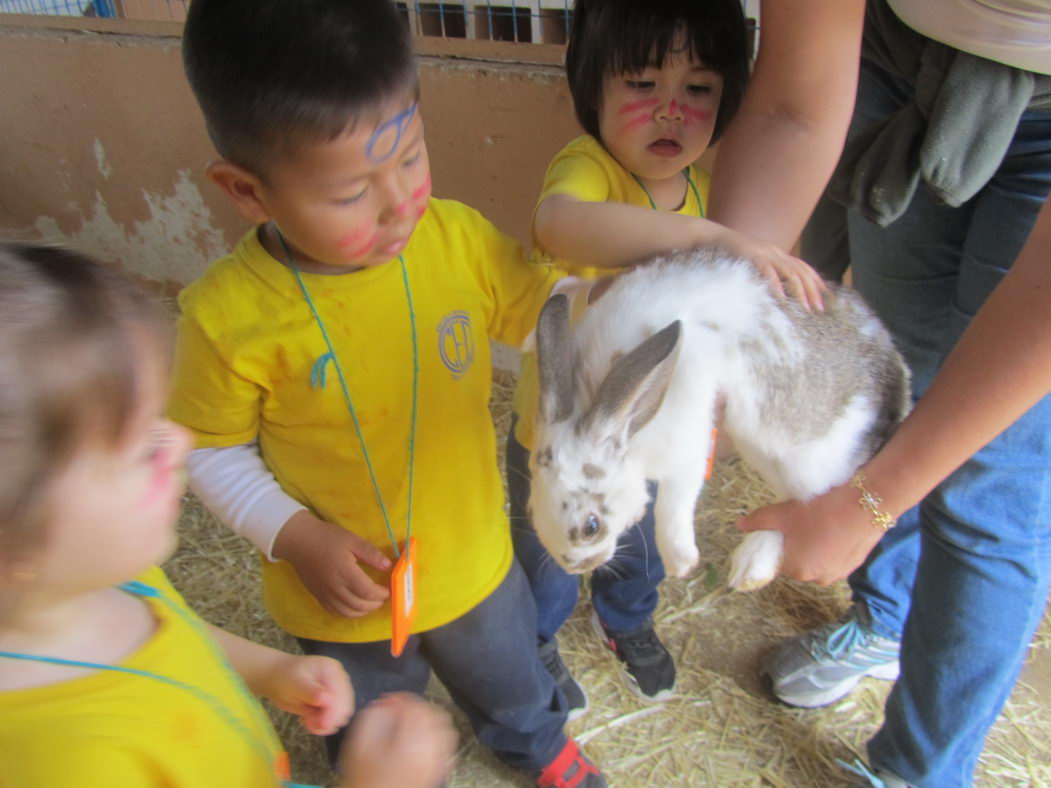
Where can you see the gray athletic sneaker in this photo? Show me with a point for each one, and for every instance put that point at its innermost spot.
(820, 667)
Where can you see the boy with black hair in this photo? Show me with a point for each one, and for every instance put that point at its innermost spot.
(335, 370)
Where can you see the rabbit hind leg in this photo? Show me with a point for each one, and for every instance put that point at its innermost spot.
(803, 472)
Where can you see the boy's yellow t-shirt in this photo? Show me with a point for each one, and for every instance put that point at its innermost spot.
(585, 170)
(251, 363)
(111, 728)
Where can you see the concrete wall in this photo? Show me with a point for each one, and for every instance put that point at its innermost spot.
(104, 148)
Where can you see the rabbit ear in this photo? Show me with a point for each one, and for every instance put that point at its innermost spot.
(554, 355)
(634, 388)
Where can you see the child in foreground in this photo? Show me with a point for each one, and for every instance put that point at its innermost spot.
(335, 371)
(653, 85)
(106, 676)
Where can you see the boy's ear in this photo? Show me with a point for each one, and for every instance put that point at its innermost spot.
(242, 187)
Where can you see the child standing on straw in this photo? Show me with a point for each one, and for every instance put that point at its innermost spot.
(653, 85)
(106, 677)
(335, 371)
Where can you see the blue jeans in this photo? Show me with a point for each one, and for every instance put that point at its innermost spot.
(624, 594)
(487, 660)
(963, 578)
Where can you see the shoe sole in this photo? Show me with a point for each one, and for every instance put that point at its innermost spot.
(660, 697)
(886, 672)
(579, 711)
(576, 712)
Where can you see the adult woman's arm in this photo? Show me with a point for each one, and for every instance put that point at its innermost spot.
(780, 150)
(1000, 368)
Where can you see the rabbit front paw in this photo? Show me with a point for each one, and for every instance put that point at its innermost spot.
(756, 560)
(680, 556)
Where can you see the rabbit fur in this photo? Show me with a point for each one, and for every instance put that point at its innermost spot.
(630, 394)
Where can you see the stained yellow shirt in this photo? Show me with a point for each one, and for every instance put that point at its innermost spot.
(585, 170)
(117, 730)
(248, 348)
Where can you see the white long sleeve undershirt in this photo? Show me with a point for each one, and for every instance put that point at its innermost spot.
(236, 486)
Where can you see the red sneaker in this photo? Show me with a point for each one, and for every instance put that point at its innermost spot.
(570, 769)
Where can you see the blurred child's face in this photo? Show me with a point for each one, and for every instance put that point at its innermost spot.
(353, 201)
(661, 119)
(112, 510)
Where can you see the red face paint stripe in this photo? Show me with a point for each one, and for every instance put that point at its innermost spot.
(355, 238)
(425, 188)
(634, 106)
(635, 122)
(696, 115)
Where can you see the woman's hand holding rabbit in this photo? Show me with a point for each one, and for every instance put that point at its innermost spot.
(826, 538)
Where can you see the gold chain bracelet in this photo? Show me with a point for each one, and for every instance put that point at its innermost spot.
(871, 503)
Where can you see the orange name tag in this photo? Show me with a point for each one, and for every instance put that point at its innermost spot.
(711, 455)
(282, 769)
(403, 598)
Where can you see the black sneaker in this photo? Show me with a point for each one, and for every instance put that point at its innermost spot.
(576, 698)
(647, 663)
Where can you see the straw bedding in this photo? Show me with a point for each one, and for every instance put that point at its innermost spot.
(722, 729)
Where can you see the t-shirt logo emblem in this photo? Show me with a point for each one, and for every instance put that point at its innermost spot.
(456, 343)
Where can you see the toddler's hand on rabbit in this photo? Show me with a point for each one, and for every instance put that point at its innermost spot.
(780, 269)
(327, 560)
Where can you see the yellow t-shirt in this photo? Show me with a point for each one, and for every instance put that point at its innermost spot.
(110, 729)
(586, 170)
(251, 364)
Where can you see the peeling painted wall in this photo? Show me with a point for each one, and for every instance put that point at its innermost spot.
(104, 148)
(165, 247)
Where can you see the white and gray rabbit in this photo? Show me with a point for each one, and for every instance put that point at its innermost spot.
(630, 393)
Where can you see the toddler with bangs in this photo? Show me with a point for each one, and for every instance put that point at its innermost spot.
(653, 85)
(335, 371)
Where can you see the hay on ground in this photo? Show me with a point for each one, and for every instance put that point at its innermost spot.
(722, 730)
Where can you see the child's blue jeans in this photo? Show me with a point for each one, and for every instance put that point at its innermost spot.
(624, 595)
(487, 659)
(963, 578)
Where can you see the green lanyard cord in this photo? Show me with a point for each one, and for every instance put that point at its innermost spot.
(350, 403)
(690, 183)
(221, 710)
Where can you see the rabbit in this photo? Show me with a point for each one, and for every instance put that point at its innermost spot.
(630, 393)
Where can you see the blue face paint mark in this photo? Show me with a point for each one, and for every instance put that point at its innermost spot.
(387, 135)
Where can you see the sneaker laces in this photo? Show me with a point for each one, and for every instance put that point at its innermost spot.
(841, 638)
(639, 647)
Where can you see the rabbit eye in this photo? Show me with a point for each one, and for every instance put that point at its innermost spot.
(591, 526)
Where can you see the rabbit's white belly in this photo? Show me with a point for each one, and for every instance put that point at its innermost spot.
(805, 469)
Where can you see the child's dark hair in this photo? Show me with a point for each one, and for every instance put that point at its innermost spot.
(271, 75)
(72, 337)
(611, 37)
